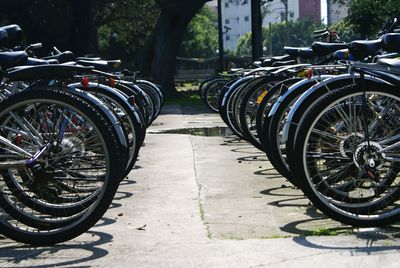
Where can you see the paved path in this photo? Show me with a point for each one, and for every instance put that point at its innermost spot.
(197, 201)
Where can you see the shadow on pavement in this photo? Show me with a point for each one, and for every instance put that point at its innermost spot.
(85, 248)
(374, 243)
(234, 141)
(246, 150)
(252, 158)
(66, 254)
(119, 195)
(122, 195)
(275, 191)
(286, 202)
(270, 172)
(128, 181)
(316, 223)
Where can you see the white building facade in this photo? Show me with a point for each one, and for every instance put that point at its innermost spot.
(236, 21)
(336, 12)
(275, 11)
(236, 17)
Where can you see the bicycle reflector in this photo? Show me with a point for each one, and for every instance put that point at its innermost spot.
(18, 139)
(85, 82)
(132, 100)
(309, 73)
(112, 82)
(117, 64)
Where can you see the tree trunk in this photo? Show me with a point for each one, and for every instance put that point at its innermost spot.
(163, 44)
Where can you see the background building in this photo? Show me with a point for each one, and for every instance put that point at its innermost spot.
(310, 9)
(336, 11)
(236, 21)
(275, 11)
(236, 15)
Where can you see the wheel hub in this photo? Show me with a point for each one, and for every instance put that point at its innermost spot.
(368, 155)
(350, 144)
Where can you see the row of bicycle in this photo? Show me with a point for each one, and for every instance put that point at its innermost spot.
(70, 131)
(332, 130)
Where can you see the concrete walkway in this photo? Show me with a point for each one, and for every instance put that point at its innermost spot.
(209, 201)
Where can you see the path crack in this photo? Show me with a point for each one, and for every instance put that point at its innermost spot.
(200, 195)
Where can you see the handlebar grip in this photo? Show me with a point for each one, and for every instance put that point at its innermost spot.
(35, 46)
(56, 50)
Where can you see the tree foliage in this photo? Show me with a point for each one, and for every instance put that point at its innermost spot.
(346, 31)
(115, 28)
(244, 45)
(124, 27)
(365, 18)
(153, 29)
(297, 33)
(201, 38)
(368, 16)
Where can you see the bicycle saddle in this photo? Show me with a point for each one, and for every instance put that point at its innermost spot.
(283, 63)
(302, 52)
(234, 70)
(266, 63)
(65, 56)
(34, 62)
(89, 58)
(3, 37)
(48, 72)
(390, 62)
(391, 42)
(269, 61)
(11, 59)
(343, 54)
(15, 34)
(101, 65)
(281, 58)
(364, 48)
(323, 49)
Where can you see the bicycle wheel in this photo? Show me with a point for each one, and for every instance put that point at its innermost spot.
(203, 85)
(212, 93)
(301, 106)
(251, 103)
(142, 100)
(117, 102)
(71, 154)
(229, 100)
(155, 95)
(264, 110)
(271, 136)
(348, 157)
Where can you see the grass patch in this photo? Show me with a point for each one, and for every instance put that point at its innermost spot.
(324, 232)
(276, 236)
(203, 218)
(232, 237)
(317, 232)
(187, 86)
(331, 231)
(185, 97)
